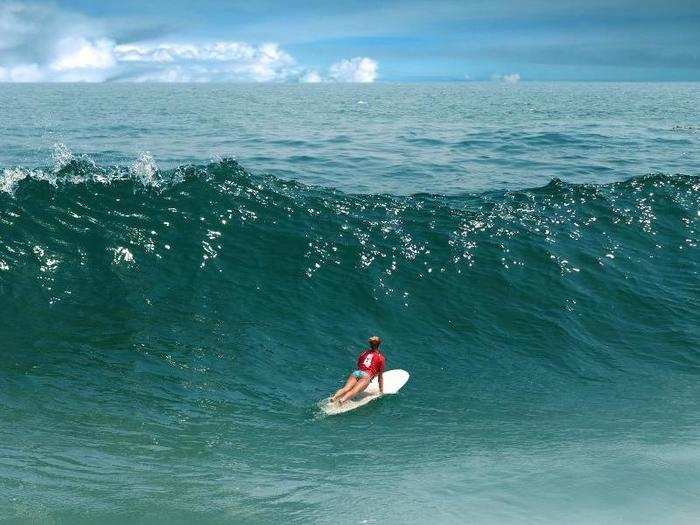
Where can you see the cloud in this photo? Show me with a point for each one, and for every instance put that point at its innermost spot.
(39, 42)
(29, 32)
(80, 53)
(358, 69)
(219, 51)
(222, 61)
(20, 73)
(512, 78)
(312, 77)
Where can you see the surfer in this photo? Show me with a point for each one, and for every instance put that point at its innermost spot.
(369, 364)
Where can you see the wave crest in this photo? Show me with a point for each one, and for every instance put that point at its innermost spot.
(547, 258)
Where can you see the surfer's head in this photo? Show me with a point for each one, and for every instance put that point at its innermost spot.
(374, 341)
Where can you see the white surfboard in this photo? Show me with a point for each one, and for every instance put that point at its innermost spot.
(393, 381)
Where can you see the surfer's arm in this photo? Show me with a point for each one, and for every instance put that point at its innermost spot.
(381, 382)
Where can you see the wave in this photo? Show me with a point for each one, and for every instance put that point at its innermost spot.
(585, 277)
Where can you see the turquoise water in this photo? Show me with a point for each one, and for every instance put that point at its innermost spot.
(171, 316)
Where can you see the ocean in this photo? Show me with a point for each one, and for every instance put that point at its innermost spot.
(186, 270)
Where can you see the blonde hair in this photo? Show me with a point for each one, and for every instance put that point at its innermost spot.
(374, 341)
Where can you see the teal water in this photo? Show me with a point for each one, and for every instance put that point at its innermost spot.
(171, 316)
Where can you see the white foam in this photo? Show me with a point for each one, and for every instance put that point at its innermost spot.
(144, 168)
(122, 254)
(61, 156)
(10, 178)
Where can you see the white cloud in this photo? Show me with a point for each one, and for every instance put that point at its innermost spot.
(72, 60)
(217, 61)
(22, 73)
(39, 42)
(312, 77)
(358, 69)
(512, 78)
(219, 51)
(80, 53)
(170, 74)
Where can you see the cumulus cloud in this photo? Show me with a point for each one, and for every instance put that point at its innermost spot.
(358, 69)
(512, 78)
(79, 53)
(203, 62)
(39, 42)
(21, 73)
(312, 77)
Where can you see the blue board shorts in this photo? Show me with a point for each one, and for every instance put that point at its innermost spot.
(359, 374)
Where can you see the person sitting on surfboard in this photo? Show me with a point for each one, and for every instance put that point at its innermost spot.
(369, 364)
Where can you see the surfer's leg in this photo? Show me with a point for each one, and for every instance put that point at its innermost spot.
(358, 387)
(348, 386)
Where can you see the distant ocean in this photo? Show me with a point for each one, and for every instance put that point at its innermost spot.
(185, 270)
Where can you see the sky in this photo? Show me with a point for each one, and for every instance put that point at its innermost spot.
(349, 41)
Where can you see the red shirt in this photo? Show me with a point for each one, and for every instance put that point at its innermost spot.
(371, 361)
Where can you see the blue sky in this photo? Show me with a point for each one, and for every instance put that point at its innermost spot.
(355, 41)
